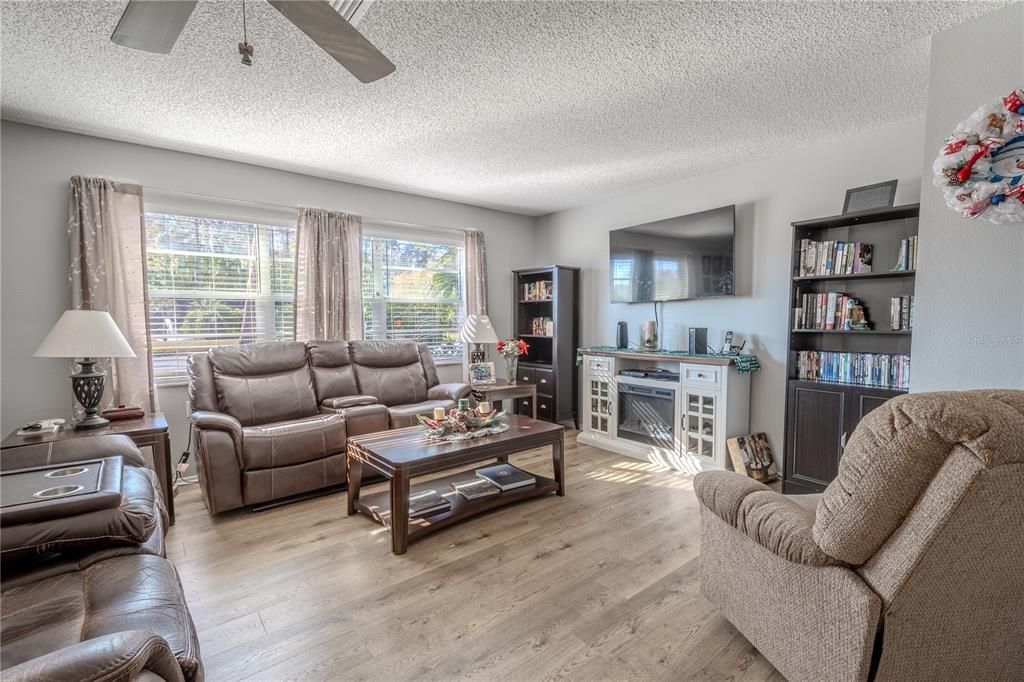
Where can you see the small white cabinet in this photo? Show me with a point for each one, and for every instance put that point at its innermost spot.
(699, 424)
(600, 398)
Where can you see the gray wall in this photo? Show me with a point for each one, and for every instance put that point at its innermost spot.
(969, 310)
(36, 163)
(769, 194)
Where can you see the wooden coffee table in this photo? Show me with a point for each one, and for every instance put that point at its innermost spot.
(404, 454)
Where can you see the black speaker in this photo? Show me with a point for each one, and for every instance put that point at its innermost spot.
(622, 339)
(698, 340)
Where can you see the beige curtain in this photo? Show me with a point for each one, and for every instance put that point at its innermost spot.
(476, 273)
(328, 276)
(107, 240)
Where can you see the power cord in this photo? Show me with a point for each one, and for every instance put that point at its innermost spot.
(179, 471)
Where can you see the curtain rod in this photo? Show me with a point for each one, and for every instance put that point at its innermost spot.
(296, 207)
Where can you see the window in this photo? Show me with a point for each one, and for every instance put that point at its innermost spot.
(215, 282)
(413, 290)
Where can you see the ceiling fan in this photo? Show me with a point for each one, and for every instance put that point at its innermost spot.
(154, 26)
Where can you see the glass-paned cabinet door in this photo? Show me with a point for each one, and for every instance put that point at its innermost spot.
(600, 405)
(699, 427)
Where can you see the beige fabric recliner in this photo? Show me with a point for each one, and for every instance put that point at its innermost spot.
(910, 566)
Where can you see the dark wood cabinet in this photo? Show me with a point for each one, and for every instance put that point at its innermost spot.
(547, 317)
(822, 415)
(815, 426)
(819, 422)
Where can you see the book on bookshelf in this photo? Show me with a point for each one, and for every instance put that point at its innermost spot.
(901, 313)
(542, 326)
(834, 258)
(537, 291)
(825, 311)
(906, 259)
(879, 370)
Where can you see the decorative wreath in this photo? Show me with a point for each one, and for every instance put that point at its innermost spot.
(981, 167)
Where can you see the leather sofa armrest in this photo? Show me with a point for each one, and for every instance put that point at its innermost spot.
(448, 391)
(348, 401)
(72, 450)
(364, 419)
(127, 655)
(770, 519)
(218, 421)
(219, 448)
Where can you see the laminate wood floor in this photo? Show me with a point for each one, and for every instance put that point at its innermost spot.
(599, 585)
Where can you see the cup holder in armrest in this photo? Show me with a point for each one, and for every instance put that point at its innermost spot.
(64, 473)
(59, 491)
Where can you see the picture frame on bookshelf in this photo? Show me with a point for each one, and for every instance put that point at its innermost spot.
(878, 195)
(481, 373)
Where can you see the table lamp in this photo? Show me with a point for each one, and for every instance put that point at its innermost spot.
(86, 334)
(476, 331)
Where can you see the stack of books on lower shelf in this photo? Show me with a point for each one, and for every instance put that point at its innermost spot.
(493, 480)
(867, 369)
(427, 502)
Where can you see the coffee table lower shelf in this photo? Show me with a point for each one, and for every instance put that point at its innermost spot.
(378, 505)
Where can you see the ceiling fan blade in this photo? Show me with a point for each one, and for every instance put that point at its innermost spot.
(152, 25)
(338, 38)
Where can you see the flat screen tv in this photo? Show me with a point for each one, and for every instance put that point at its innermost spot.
(690, 256)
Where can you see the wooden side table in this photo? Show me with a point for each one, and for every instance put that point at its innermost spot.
(502, 390)
(149, 431)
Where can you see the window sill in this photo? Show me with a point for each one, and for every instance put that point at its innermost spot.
(448, 361)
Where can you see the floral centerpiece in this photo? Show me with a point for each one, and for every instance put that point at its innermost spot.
(511, 349)
(463, 423)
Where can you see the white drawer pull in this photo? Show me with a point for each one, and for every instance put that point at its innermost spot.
(543, 381)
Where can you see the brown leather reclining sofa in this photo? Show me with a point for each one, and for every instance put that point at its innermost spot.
(89, 595)
(272, 419)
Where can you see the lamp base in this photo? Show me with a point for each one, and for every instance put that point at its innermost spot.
(91, 422)
(87, 386)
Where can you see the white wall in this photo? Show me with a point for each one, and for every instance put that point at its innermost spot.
(969, 310)
(36, 164)
(769, 194)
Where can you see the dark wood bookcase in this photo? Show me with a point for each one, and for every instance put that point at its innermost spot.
(820, 416)
(550, 363)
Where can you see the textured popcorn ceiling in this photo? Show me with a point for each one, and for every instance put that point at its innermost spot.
(528, 106)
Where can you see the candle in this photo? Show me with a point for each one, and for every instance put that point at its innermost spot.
(485, 407)
(438, 413)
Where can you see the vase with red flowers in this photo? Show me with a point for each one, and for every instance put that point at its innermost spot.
(511, 349)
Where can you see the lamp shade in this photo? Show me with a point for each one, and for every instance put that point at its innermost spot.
(478, 329)
(85, 334)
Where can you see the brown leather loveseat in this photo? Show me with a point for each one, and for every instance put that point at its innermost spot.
(272, 419)
(90, 594)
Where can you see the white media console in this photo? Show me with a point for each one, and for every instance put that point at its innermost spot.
(681, 423)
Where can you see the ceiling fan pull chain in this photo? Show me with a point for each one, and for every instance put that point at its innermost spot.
(244, 48)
